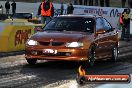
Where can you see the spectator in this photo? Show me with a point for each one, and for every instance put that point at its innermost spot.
(62, 8)
(13, 7)
(125, 22)
(7, 6)
(46, 10)
(70, 9)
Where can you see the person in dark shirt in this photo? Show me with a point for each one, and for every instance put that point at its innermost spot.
(70, 9)
(7, 6)
(13, 7)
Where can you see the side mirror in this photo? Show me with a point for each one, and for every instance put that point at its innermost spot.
(100, 31)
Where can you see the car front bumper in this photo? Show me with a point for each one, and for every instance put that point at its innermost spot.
(69, 54)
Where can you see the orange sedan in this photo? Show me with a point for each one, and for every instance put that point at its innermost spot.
(74, 38)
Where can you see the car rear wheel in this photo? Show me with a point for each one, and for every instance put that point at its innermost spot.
(31, 61)
(114, 54)
(91, 56)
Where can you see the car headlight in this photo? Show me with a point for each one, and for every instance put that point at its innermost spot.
(74, 44)
(32, 42)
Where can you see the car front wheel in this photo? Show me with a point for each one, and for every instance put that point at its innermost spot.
(31, 61)
(114, 54)
(91, 56)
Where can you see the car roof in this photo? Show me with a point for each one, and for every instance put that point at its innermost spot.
(80, 15)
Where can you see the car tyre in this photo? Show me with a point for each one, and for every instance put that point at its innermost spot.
(114, 54)
(31, 61)
(91, 56)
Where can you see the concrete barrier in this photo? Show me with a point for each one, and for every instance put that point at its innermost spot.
(13, 35)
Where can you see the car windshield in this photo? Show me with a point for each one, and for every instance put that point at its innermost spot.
(79, 24)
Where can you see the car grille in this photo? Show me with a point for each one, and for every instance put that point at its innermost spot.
(51, 43)
(58, 54)
(44, 43)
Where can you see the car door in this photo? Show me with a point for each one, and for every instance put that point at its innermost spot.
(111, 35)
(101, 39)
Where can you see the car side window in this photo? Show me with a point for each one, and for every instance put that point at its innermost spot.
(106, 25)
(99, 24)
